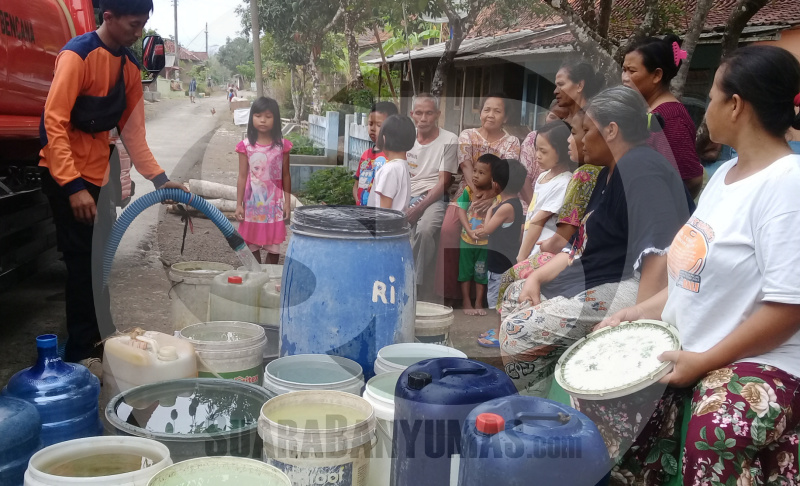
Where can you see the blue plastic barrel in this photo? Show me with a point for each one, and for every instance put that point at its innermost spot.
(527, 441)
(432, 400)
(348, 283)
(20, 428)
(64, 394)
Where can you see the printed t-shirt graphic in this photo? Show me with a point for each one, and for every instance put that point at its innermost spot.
(688, 254)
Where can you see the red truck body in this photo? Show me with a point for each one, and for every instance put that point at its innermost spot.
(32, 32)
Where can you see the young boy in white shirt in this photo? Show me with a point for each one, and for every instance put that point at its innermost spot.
(392, 186)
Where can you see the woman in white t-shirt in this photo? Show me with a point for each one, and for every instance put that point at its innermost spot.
(734, 284)
(391, 188)
(552, 156)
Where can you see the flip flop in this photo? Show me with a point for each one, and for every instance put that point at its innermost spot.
(493, 342)
(489, 333)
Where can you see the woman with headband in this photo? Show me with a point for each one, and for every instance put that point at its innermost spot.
(649, 68)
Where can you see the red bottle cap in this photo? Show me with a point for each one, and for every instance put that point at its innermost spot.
(490, 423)
(235, 280)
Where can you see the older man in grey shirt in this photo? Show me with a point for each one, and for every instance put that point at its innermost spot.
(432, 163)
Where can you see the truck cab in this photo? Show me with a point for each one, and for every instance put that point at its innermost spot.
(32, 32)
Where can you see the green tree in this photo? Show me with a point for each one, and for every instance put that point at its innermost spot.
(235, 52)
(248, 71)
(218, 73)
(298, 28)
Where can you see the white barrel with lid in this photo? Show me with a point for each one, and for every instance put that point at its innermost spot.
(319, 437)
(191, 285)
(398, 357)
(98, 461)
(313, 372)
(229, 350)
(379, 392)
(144, 357)
(432, 324)
(236, 295)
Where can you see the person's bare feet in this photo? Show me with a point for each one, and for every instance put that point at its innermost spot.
(480, 312)
(468, 309)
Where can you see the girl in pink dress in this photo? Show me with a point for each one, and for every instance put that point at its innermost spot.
(264, 188)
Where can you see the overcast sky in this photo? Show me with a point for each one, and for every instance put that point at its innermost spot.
(192, 17)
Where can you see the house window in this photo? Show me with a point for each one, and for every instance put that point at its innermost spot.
(476, 89)
(485, 83)
(459, 87)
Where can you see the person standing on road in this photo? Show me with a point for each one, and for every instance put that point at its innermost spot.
(97, 86)
(192, 89)
(432, 163)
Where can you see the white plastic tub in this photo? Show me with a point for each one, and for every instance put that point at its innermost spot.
(235, 471)
(313, 372)
(94, 449)
(379, 392)
(191, 285)
(319, 437)
(398, 357)
(432, 323)
(228, 349)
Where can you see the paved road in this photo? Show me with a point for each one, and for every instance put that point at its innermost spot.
(175, 137)
(139, 284)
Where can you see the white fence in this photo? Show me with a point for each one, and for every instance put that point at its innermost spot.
(324, 133)
(356, 139)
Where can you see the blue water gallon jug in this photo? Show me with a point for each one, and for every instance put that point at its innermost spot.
(432, 401)
(64, 394)
(20, 428)
(530, 441)
(348, 283)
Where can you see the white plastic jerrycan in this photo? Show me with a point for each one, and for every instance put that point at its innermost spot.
(236, 295)
(143, 357)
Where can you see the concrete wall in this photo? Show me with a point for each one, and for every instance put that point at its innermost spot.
(302, 173)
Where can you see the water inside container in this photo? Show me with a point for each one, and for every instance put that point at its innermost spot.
(202, 410)
(97, 465)
(219, 336)
(314, 373)
(317, 416)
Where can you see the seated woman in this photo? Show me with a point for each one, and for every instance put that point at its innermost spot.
(734, 284)
(636, 208)
(573, 208)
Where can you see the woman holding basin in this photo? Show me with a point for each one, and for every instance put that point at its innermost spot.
(734, 285)
(636, 208)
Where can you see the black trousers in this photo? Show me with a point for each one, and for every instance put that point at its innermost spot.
(82, 247)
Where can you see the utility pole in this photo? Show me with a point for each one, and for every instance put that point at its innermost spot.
(206, 38)
(257, 48)
(177, 45)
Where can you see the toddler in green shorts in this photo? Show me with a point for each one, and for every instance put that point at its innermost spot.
(474, 251)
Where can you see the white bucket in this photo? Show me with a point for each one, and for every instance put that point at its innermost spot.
(220, 470)
(319, 437)
(96, 451)
(228, 349)
(398, 357)
(380, 394)
(432, 325)
(313, 372)
(191, 285)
